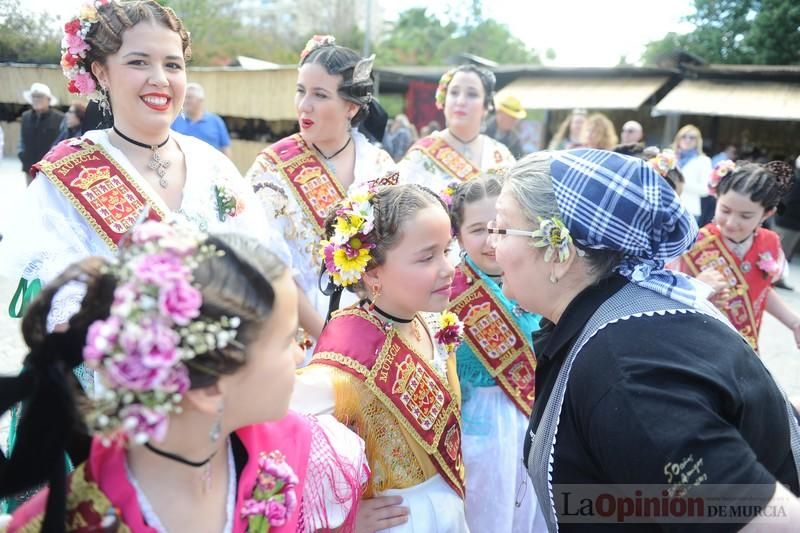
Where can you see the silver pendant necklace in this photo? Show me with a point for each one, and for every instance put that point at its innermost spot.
(157, 163)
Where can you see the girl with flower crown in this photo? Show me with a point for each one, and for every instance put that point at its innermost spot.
(737, 257)
(386, 366)
(89, 191)
(460, 152)
(301, 176)
(496, 368)
(194, 338)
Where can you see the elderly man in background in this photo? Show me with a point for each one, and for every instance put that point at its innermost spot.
(40, 126)
(631, 133)
(198, 122)
(503, 126)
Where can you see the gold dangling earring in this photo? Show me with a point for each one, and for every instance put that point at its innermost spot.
(376, 292)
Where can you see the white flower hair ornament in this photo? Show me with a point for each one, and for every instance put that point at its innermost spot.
(154, 330)
(553, 235)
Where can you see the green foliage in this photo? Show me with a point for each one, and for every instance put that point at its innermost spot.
(27, 37)
(419, 38)
(737, 32)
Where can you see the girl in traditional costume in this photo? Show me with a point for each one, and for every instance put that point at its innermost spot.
(386, 367)
(301, 176)
(460, 152)
(194, 339)
(496, 367)
(737, 257)
(89, 191)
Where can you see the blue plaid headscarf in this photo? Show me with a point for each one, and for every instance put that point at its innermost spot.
(615, 202)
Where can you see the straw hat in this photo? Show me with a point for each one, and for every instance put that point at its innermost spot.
(39, 88)
(510, 105)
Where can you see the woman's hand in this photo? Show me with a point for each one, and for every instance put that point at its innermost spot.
(381, 512)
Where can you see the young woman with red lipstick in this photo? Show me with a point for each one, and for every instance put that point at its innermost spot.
(89, 191)
(386, 366)
(460, 152)
(496, 368)
(301, 176)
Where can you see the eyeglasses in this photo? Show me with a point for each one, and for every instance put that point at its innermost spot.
(689, 136)
(497, 234)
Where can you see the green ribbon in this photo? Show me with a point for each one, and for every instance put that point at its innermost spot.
(26, 291)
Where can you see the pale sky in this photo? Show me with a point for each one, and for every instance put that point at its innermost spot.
(583, 33)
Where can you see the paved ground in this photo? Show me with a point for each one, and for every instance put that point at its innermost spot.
(778, 347)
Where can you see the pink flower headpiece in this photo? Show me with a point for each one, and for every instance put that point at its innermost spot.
(720, 171)
(317, 41)
(74, 48)
(154, 328)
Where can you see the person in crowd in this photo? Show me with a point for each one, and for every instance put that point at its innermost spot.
(73, 122)
(599, 132)
(696, 167)
(40, 126)
(460, 152)
(496, 368)
(334, 95)
(386, 366)
(502, 127)
(662, 161)
(730, 152)
(570, 132)
(787, 224)
(582, 237)
(88, 192)
(400, 135)
(737, 257)
(631, 133)
(429, 128)
(192, 431)
(197, 122)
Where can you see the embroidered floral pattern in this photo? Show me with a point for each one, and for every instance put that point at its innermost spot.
(450, 330)
(273, 499)
(554, 235)
(153, 330)
(228, 203)
(74, 48)
(347, 253)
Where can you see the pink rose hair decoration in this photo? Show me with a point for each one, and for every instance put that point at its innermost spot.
(74, 48)
(720, 171)
(154, 329)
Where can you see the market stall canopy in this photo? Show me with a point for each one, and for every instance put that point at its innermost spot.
(587, 88)
(762, 100)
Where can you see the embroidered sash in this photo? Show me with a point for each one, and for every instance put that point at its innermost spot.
(99, 188)
(312, 182)
(404, 383)
(494, 337)
(447, 158)
(709, 252)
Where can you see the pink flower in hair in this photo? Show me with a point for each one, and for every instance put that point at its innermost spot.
(100, 340)
(180, 301)
(161, 269)
(142, 421)
(75, 44)
(152, 342)
(131, 374)
(85, 83)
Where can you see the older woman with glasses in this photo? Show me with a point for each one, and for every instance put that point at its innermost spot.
(696, 168)
(640, 383)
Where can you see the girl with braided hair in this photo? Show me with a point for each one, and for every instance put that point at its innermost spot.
(735, 255)
(386, 366)
(193, 337)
